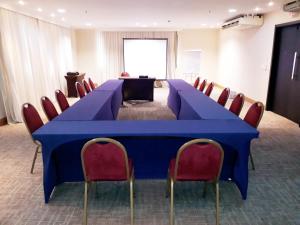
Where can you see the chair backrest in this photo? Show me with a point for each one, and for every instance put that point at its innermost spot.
(80, 89)
(209, 89)
(199, 159)
(237, 104)
(197, 81)
(104, 159)
(86, 86)
(254, 114)
(92, 85)
(49, 108)
(124, 74)
(31, 117)
(202, 85)
(224, 97)
(62, 100)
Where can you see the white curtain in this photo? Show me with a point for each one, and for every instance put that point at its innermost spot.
(34, 58)
(110, 52)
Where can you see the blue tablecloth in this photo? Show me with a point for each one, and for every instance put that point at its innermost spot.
(116, 87)
(151, 145)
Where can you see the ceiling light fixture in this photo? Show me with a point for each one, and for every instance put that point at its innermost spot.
(88, 24)
(39, 9)
(63, 19)
(154, 24)
(144, 25)
(61, 10)
(52, 15)
(257, 9)
(21, 2)
(271, 3)
(203, 24)
(232, 10)
(137, 23)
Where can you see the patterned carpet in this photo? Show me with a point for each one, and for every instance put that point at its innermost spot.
(273, 195)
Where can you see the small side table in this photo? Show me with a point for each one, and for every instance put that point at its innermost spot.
(71, 80)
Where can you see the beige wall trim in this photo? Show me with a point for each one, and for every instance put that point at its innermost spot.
(250, 100)
(3, 121)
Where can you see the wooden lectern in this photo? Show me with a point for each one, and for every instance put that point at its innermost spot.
(71, 80)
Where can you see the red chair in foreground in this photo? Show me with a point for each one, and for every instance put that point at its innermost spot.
(33, 122)
(237, 104)
(253, 118)
(49, 108)
(62, 100)
(125, 74)
(92, 84)
(196, 160)
(197, 81)
(86, 86)
(209, 89)
(105, 159)
(80, 89)
(202, 85)
(224, 97)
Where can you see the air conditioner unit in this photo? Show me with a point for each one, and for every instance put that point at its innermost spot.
(244, 22)
(293, 6)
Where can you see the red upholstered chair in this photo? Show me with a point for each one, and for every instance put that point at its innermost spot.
(196, 160)
(49, 108)
(224, 97)
(253, 118)
(33, 122)
(105, 159)
(202, 85)
(125, 74)
(197, 81)
(92, 85)
(209, 89)
(86, 86)
(237, 104)
(80, 89)
(62, 100)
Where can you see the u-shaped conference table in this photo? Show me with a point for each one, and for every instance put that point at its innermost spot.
(150, 143)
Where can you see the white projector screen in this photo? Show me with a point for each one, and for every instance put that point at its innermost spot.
(145, 57)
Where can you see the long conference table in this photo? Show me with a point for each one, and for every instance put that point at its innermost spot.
(151, 144)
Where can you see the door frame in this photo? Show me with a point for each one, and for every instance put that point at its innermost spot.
(275, 52)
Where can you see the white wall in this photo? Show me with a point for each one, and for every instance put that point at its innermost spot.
(205, 40)
(245, 56)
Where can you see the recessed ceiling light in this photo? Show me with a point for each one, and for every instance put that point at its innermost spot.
(39, 9)
(63, 19)
(144, 25)
(257, 9)
(88, 24)
(137, 23)
(232, 10)
(203, 24)
(21, 2)
(61, 10)
(154, 24)
(52, 15)
(270, 3)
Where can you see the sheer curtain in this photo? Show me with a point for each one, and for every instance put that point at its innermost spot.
(34, 57)
(110, 51)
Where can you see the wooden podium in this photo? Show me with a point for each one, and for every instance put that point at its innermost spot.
(71, 80)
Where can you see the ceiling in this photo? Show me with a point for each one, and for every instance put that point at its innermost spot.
(139, 14)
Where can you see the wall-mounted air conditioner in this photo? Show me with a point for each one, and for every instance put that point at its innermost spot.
(293, 6)
(244, 22)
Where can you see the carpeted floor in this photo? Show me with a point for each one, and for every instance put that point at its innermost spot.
(273, 195)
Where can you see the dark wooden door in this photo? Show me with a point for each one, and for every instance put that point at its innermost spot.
(285, 97)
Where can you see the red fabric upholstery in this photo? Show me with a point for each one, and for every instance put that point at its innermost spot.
(237, 104)
(224, 97)
(197, 162)
(31, 117)
(124, 74)
(86, 86)
(105, 162)
(49, 108)
(202, 86)
(62, 100)
(80, 90)
(254, 114)
(197, 81)
(209, 89)
(92, 85)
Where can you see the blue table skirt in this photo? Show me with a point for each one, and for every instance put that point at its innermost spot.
(151, 145)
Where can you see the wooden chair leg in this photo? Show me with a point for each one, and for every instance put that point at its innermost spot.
(217, 204)
(172, 202)
(252, 161)
(131, 201)
(34, 158)
(85, 203)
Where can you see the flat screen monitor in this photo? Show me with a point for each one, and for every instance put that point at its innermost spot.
(146, 57)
